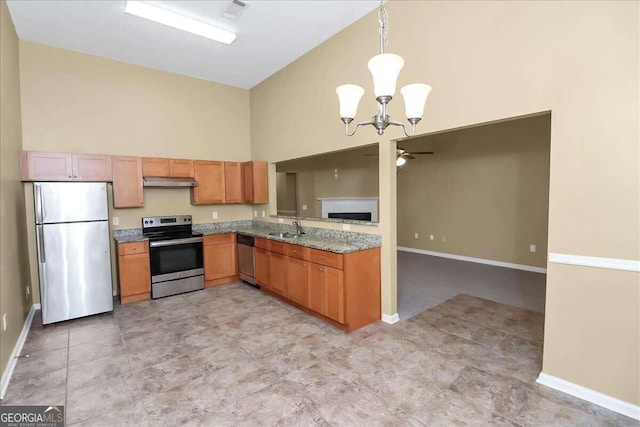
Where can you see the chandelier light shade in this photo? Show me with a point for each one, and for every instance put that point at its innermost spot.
(385, 69)
(349, 96)
(415, 96)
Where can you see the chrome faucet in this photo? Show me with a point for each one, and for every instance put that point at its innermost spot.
(298, 226)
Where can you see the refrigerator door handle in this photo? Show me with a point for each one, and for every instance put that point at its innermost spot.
(38, 203)
(41, 254)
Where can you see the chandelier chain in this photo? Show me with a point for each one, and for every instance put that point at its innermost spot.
(383, 22)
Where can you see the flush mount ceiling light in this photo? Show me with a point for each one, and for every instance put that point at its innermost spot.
(180, 22)
(384, 68)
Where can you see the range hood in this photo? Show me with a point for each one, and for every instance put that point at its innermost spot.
(174, 182)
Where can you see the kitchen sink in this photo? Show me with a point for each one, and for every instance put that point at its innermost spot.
(284, 235)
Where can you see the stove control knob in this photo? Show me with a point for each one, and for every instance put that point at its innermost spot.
(146, 222)
(150, 221)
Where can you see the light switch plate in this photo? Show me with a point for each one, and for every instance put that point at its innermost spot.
(304, 207)
(263, 213)
(215, 215)
(115, 220)
(255, 213)
(346, 227)
(532, 248)
(280, 220)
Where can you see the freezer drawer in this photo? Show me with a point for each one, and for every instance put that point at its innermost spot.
(75, 270)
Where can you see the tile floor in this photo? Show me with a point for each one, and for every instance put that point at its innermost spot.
(231, 355)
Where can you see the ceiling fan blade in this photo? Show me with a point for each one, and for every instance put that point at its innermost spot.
(408, 156)
(422, 152)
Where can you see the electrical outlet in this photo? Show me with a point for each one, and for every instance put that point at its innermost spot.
(304, 207)
(430, 236)
(346, 227)
(444, 238)
(280, 220)
(263, 213)
(115, 220)
(214, 214)
(4, 322)
(27, 289)
(255, 213)
(416, 235)
(532, 248)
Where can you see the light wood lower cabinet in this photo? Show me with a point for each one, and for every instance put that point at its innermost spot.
(343, 289)
(326, 291)
(220, 259)
(271, 271)
(134, 272)
(298, 281)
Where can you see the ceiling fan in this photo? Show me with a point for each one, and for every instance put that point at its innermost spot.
(403, 155)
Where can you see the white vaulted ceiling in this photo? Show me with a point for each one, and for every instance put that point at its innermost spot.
(271, 34)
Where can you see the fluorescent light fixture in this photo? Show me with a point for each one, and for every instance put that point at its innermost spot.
(174, 20)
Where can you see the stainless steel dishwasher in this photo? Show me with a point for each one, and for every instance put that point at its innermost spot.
(246, 260)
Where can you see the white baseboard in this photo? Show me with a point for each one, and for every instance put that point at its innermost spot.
(600, 399)
(597, 262)
(6, 376)
(476, 260)
(390, 318)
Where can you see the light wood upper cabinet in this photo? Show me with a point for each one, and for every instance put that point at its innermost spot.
(181, 168)
(210, 178)
(127, 182)
(153, 166)
(255, 182)
(156, 166)
(45, 166)
(91, 167)
(233, 182)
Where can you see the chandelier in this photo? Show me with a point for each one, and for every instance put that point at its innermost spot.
(384, 68)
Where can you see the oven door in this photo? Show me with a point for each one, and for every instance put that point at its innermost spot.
(176, 259)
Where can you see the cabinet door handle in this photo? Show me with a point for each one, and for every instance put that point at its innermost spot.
(70, 176)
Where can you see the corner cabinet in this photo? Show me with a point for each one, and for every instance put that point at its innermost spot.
(255, 183)
(210, 178)
(45, 166)
(220, 259)
(127, 182)
(342, 289)
(134, 272)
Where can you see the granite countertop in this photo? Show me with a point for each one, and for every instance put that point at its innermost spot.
(337, 241)
(340, 245)
(129, 235)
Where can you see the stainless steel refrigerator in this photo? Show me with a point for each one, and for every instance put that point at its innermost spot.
(74, 260)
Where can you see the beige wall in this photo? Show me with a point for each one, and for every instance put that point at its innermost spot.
(483, 194)
(488, 61)
(596, 316)
(81, 103)
(14, 267)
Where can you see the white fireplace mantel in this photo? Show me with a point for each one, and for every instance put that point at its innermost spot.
(349, 204)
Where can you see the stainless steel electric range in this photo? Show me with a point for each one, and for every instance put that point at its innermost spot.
(175, 252)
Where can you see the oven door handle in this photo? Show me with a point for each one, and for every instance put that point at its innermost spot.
(175, 242)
